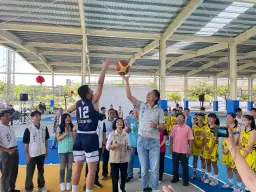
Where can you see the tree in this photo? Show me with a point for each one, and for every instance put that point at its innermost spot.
(223, 91)
(202, 88)
(174, 97)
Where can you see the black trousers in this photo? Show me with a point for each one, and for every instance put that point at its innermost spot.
(98, 168)
(105, 162)
(161, 166)
(180, 157)
(39, 162)
(115, 168)
(9, 169)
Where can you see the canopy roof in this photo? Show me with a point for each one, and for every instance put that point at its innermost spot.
(49, 34)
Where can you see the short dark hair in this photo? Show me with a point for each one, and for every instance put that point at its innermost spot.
(114, 123)
(181, 115)
(166, 110)
(102, 108)
(201, 115)
(186, 109)
(111, 110)
(34, 113)
(131, 112)
(238, 109)
(174, 109)
(2, 113)
(157, 94)
(83, 91)
(253, 109)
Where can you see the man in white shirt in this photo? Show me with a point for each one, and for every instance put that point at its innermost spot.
(9, 157)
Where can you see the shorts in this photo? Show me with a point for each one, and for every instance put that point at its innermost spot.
(250, 159)
(197, 151)
(214, 156)
(86, 146)
(89, 157)
(225, 159)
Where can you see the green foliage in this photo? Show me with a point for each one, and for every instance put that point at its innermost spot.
(150, 84)
(223, 91)
(202, 88)
(174, 97)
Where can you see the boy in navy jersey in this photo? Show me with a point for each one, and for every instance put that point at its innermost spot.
(86, 144)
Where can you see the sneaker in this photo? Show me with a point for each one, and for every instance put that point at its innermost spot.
(194, 176)
(202, 178)
(53, 147)
(227, 185)
(174, 181)
(62, 187)
(15, 190)
(68, 186)
(140, 178)
(238, 189)
(43, 189)
(84, 187)
(214, 182)
(208, 180)
(128, 179)
(103, 177)
(147, 189)
(97, 185)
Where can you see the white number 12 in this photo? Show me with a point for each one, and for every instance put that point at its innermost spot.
(84, 112)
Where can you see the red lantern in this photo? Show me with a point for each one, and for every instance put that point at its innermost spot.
(72, 92)
(40, 79)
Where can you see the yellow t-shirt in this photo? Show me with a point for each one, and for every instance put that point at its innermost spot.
(244, 141)
(198, 133)
(167, 123)
(172, 122)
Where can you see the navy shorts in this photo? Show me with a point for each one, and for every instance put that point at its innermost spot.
(86, 146)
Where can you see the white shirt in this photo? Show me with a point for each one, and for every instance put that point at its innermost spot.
(100, 132)
(146, 115)
(239, 122)
(7, 136)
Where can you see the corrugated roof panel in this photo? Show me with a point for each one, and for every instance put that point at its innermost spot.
(48, 37)
(54, 58)
(118, 42)
(112, 52)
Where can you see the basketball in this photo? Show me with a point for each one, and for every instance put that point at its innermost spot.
(122, 67)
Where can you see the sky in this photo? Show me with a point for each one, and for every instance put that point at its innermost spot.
(22, 66)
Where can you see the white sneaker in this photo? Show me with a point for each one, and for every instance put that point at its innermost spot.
(62, 187)
(43, 189)
(68, 186)
(207, 180)
(227, 185)
(214, 182)
(238, 189)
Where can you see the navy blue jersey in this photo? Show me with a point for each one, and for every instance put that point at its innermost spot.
(87, 117)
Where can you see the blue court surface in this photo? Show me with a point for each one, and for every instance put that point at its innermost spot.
(53, 159)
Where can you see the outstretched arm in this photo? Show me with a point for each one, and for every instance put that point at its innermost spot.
(128, 90)
(243, 168)
(98, 92)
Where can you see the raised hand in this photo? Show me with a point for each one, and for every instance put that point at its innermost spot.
(126, 78)
(106, 63)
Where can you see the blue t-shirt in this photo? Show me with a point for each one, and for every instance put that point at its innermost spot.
(87, 116)
(133, 131)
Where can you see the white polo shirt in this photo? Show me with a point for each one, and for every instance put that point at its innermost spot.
(7, 136)
(146, 115)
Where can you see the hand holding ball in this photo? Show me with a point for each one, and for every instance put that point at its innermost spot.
(122, 67)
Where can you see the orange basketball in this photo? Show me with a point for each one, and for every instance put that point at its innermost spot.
(122, 67)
